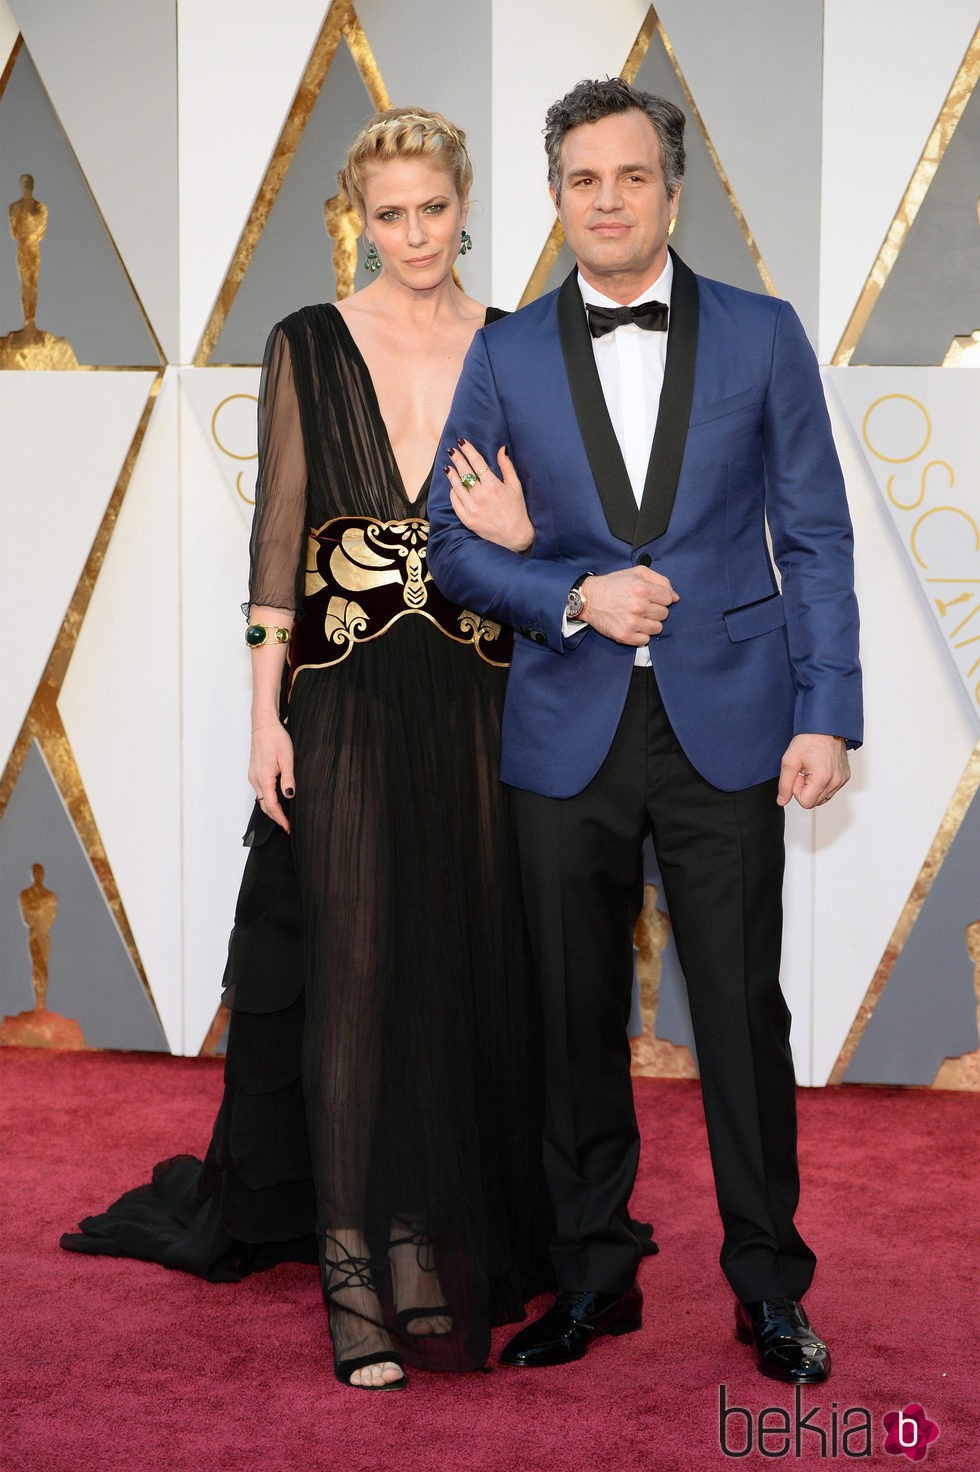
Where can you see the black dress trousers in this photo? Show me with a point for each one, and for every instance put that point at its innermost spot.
(721, 858)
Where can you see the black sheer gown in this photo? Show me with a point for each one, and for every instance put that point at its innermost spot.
(410, 1004)
(250, 1203)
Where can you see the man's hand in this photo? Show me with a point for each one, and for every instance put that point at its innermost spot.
(813, 769)
(629, 606)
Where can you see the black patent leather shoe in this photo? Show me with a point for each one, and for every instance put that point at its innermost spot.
(786, 1346)
(570, 1325)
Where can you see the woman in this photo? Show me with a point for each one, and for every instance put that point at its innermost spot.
(424, 1137)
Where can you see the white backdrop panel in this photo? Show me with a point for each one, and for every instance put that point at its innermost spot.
(887, 70)
(919, 734)
(121, 707)
(239, 65)
(226, 405)
(216, 796)
(65, 437)
(9, 30)
(918, 430)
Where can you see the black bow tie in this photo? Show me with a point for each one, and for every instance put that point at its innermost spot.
(651, 316)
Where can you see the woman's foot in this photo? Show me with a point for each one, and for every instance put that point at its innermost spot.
(420, 1304)
(364, 1356)
(386, 1375)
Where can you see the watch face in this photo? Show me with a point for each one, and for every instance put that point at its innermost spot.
(574, 604)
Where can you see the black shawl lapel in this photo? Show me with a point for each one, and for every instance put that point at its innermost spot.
(667, 452)
(598, 435)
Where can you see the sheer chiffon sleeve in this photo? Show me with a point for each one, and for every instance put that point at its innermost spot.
(280, 519)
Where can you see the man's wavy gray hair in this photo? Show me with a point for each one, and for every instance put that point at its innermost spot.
(589, 101)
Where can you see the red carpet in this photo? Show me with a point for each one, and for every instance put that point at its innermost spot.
(111, 1364)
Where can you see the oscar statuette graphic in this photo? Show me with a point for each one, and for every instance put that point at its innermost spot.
(343, 227)
(653, 1056)
(963, 1072)
(40, 1028)
(28, 347)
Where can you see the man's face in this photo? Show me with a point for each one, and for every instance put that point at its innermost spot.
(614, 207)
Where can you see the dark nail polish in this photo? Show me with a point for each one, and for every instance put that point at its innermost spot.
(446, 469)
(460, 443)
(288, 791)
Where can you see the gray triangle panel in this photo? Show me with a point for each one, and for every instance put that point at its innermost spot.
(932, 293)
(83, 291)
(708, 235)
(928, 1010)
(91, 976)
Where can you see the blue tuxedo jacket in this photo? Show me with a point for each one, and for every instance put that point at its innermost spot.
(743, 437)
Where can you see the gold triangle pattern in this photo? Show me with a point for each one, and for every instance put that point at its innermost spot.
(340, 23)
(11, 63)
(918, 187)
(43, 722)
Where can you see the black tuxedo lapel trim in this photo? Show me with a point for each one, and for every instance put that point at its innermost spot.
(667, 452)
(601, 445)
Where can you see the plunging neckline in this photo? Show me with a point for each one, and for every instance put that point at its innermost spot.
(422, 494)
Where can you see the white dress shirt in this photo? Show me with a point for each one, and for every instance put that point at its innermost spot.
(630, 362)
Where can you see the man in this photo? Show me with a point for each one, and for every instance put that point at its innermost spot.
(661, 681)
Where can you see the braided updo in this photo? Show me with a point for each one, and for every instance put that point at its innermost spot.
(406, 132)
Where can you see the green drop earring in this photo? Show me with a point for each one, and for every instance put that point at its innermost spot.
(465, 243)
(372, 261)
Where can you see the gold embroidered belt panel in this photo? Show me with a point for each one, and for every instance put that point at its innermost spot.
(362, 576)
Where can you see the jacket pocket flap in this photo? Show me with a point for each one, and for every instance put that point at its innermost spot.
(755, 618)
(749, 398)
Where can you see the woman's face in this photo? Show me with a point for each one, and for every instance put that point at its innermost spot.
(414, 216)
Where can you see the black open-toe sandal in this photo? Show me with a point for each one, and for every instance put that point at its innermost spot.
(404, 1317)
(344, 1369)
(346, 1273)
